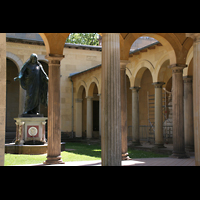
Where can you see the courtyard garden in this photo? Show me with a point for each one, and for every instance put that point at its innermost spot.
(74, 152)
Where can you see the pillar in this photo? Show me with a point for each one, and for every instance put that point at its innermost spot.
(54, 122)
(89, 117)
(177, 107)
(159, 140)
(99, 115)
(3, 95)
(196, 93)
(79, 104)
(188, 114)
(110, 100)
(135, 116)
(124, 128)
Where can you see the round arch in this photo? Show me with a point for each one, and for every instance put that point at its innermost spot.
(92, 84)
(81, 87)
(18, 62)
(168, 40)
(140, 69)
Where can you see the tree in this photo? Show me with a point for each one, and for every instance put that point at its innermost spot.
(83, 38)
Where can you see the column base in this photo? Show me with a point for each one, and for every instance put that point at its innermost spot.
(53, 160)
(125, 156)
(136, 144)
(179, 155)
(158, 146)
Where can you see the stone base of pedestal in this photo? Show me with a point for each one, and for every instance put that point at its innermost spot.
(30, 130)
(29, 149)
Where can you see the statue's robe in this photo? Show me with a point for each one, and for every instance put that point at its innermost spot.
(34, 80)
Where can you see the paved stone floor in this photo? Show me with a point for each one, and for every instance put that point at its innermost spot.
(135, 162)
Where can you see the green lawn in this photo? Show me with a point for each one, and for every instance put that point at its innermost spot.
(76, 152)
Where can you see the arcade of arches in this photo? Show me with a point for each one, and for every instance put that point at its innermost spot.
(110, 100)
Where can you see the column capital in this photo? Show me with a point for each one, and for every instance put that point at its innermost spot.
(158, 84)
(194, 36)
(123, 64)
(177, 68)
(187, 79)
(135, 88)
(54, 58)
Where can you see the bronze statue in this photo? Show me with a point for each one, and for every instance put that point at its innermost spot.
(34, 80)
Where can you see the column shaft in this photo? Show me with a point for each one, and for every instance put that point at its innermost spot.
(188, 114)
(54, 123)
(124, 128)
(178, 115)
(135, 117)
(159, 140)
(111, 108)
(79, 103)
(89, 117)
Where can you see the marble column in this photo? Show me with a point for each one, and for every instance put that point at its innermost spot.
(54, 123)
(79, 104)
(177, 107)
(135, 116)
(188, 114)
(124, 128)
(110, 99)
(196, 93)
(89, 117)
(159, 140)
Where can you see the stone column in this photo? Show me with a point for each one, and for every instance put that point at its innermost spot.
(111, 152)
(79, 104)
(124, 128)
(54, 123)
(99, 115)
(177, 106)
(196, 93)
(188, 114)
(3, 95)
(159, 140)
(135, 117)
(89, 117)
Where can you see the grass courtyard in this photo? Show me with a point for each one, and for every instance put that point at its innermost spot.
(74, 152)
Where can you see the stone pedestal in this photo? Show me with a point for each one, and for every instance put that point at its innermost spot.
(178, 114)
(188, 114)
(159, 140)
(110, 99)
(135, 117)
(30, 130)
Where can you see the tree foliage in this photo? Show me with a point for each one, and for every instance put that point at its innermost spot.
(83, 38)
